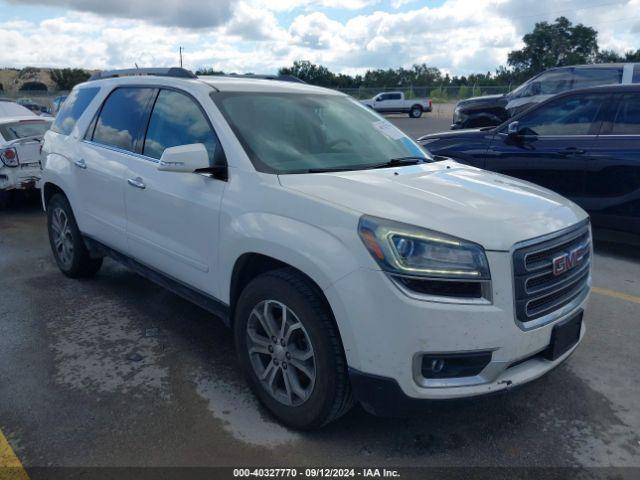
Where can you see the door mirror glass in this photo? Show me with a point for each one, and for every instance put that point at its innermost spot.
(513, 129)
(184, 158)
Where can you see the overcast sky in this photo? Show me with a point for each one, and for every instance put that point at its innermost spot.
(458, 36)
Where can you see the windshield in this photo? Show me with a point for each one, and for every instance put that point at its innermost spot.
(295, 133)
(23, 129)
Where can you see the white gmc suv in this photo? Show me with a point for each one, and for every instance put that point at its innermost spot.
(350, 264)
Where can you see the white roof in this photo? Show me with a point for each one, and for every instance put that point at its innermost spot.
(12, 109)
(244, 84)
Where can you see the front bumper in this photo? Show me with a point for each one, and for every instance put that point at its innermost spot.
(385, 332)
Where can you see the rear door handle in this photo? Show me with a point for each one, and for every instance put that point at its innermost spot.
(80, 163)
(136, 182)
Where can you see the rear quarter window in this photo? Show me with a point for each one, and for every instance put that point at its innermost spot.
(73, 108)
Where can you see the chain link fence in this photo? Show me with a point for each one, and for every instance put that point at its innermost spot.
(437, 93)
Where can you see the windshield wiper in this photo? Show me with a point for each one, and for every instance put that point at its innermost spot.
(400, 162)
(394, 162)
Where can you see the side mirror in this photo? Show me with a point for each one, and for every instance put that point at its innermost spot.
(184, 158)
(513, 129)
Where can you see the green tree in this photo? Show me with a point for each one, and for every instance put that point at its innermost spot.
(552, 45)
(310, 73)
(67, 78)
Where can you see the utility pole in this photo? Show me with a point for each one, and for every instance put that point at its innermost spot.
(181, 56)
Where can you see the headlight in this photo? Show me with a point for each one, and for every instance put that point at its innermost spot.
(413, 254)
(458, 115)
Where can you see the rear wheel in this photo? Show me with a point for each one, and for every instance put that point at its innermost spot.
(66, 241)
(290, 350)
(416, 111)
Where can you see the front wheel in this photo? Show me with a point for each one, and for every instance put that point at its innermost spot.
(290, 351)
(66, 241)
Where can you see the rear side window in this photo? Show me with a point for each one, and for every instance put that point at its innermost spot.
(571, 115)
(627, 120)
(122, 116)
(636, 73)
(24, 129)
(73, 108)
(592, 77)
(178, 120)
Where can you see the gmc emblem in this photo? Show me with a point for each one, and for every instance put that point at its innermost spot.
(569, 260)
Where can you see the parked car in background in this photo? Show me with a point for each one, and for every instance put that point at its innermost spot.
(9, 108)
(20, 152)
(395, 102)
(494, 109)
(583, 144)
(350, 264)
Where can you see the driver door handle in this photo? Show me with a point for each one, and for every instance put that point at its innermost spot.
(137, 183)
(80, 163)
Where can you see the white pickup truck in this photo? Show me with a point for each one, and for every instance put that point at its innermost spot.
(394, 102)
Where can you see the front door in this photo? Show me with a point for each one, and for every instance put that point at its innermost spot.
(613, 170)
(172, 218)
(553, 144)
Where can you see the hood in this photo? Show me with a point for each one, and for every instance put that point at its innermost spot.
(493, 100)
(493, 210)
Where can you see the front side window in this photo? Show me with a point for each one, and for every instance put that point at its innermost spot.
(73, 108)
(297, 132)
(121, 119)
(177, 120)
(627, 119)
(24, 129)
(572, 115)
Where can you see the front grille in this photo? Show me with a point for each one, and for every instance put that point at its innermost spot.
(539, 290)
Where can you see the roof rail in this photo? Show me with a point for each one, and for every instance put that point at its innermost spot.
(157, 72)
(282, 78)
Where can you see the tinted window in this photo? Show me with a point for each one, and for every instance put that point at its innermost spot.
(591, 77)
(636, 73)
(573, 115)
(627, 120)
(177, 120)
(550, 83)
(394, 96)
(73, 108)
(121, 118)
(23, 129)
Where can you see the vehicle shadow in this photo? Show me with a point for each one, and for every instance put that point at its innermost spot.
(617, 244)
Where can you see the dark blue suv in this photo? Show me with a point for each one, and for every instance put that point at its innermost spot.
(583, 144)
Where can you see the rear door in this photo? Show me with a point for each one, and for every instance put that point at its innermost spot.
(556, 139)
(172, 217)
(111, 140)
(613, 169)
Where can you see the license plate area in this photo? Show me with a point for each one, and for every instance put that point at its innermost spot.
(564, 336)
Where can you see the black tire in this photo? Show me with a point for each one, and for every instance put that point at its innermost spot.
(416, 111)
(74, 262)
(330, 397)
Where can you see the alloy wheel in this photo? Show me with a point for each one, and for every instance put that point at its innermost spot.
(281, 353)
(62, 237)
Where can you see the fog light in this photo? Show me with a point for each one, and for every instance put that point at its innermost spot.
(454, 365)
